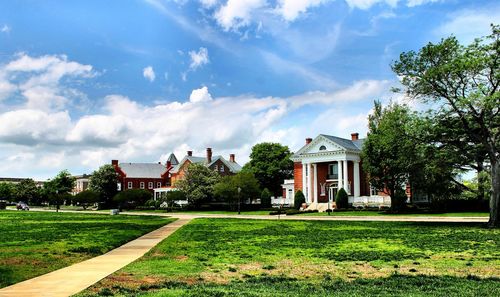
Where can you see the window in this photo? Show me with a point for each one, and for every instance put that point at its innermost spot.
(158, 184)
(333, 171)
(129, 185)
(150, 185)
(222, 168)
(216, 168)
(142, 185)
(322, 148)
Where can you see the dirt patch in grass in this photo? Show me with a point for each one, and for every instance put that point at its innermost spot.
(181, 258)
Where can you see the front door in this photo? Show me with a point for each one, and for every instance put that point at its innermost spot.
(332, 192)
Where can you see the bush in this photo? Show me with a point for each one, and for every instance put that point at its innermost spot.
(299, 199)
(86, 198)
(130, 199)
(341, 200)
(265, 198)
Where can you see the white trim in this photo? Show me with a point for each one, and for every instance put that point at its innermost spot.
(315, 166)
(340, 178)
(304, 179)
(356, 179)
(346, 178)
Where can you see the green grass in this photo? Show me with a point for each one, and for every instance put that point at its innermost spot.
(35, 243)
(234, 257)
(371, 213)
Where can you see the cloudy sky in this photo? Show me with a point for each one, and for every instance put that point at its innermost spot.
(84, 82)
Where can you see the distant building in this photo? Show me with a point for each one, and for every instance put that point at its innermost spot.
(81, 183)
(146, 176)
(16, 180)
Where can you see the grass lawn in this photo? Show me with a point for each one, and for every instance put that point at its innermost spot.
(34, 243)
(232, 257)
(370, 213)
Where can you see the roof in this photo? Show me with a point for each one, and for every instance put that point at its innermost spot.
(172, 159)
(143, 170)
(345, 143)
(233, 166)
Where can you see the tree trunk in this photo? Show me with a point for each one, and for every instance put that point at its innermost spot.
(494, 221)
(480, 182)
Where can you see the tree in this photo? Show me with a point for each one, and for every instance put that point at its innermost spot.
(227, 188)
(341, 199)
(27, 191)
(389, 154)
(57, 190)
(271, 164)
(463, 82)
(172, 197)
(198, 184)
(132, 198)
(299, 199)
(6, 191)
(105, 182)
(86, 198)
(265, 198)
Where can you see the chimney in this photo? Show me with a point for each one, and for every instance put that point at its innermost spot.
(231, 158)
(114, 162)
(308, 140)
(190, 153)
(209, 155)
(169, 164)
(354, 136)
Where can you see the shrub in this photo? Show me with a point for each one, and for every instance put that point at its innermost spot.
(299, 199)
(132, 198)
(86, 198)
(341, 200)
(265, 198)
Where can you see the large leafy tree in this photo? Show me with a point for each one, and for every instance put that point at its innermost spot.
(57, 189)
(6, 191)
(463, 82)
(227, 188)
(270, 163)
(27, 191)
(105, 182)
(198, 184)
(86, 198)
(389, 152)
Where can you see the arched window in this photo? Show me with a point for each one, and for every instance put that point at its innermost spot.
(322, 148)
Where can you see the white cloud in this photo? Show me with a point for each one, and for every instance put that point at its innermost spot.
(237, 13)
(366, 4)
(469, 24)
(5, 29)
(149, 73)
(200, 95)
(198, 58)
(412, 3)
(208, 3)
(291, 9)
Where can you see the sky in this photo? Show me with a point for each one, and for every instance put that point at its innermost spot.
(85, 82)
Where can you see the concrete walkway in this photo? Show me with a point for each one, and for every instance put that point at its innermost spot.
(75, 278)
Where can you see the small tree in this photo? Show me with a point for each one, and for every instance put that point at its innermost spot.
(6, 191)
(86, 198)
(226, 190)
(265, 198)
(27, 191)
(105, 182)
(132, 198)
(299, 199)
(341, 199)
(198, 184)
(172, 197)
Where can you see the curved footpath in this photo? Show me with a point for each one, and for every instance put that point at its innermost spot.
(77, 277)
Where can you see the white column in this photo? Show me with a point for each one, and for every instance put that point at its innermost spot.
(341, 182)
(356, 179)
(304, 182)
(309, 182)
(346, 182)
(315, 197)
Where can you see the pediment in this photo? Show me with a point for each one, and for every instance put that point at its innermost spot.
(321, 145)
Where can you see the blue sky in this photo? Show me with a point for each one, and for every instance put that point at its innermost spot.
(84, 82)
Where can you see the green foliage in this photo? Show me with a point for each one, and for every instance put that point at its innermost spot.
(57, 189)
(227, 188)
(198, 184)
(86, 198)
(265, 198)
(341, 199)
(27, 191)
(132, 198)
(299, 199)
(35, 243)
(462, 83)
(271, 164)
(105, 182)
(7, 191)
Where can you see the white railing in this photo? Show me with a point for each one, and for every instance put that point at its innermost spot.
(276, 202)
(371, 201)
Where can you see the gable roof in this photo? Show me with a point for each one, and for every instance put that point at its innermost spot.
(345, 144)
(233, 167)
(143, 170)
(172, 159)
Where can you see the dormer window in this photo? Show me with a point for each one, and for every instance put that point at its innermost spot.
(322, 148)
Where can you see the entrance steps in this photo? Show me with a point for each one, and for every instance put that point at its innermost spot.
(321, 207)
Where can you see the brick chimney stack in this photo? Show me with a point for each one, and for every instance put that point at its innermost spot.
(190, 153)
(114, 162)
(169, 164)
(354, 136)
(209, 155)
(308, 140)
(231, 158)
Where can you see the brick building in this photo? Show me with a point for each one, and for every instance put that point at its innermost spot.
(144, 175)
(327, 163)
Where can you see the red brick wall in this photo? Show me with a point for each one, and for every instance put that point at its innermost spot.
(136, 183)
(219, 163)
(297, 176)
(322, 173)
